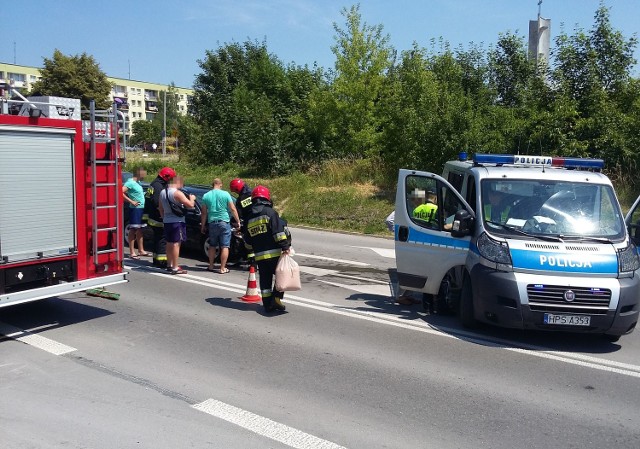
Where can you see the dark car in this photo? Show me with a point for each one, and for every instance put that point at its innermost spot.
(197, 242)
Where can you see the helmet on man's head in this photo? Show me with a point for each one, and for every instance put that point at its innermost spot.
(167, 173)
(236, 185)
(261, 192)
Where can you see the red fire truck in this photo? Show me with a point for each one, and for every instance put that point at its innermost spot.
(60, 199)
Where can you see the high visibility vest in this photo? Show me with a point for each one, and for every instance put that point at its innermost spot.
(496, 215)
(426, 212)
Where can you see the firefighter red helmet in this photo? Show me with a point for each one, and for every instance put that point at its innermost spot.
(261, 192)
(167, 173)
(236, 185)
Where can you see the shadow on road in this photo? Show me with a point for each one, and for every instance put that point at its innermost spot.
(51, 313)
(486, 335)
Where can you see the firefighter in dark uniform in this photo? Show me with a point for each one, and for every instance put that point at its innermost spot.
(243, 206)
(266, 234)
(154, 220)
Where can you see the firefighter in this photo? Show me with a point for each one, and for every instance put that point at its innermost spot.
(267, 236)
(243, 206)
(154, 220)
(243, 202)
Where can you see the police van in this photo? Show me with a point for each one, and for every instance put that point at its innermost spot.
(530, 242)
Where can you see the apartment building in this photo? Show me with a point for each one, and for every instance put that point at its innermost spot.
(138, 99)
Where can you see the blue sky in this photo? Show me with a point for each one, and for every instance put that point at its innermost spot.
(162, 40)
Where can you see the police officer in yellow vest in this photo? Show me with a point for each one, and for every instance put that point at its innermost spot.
(429, 210)
(494, 209)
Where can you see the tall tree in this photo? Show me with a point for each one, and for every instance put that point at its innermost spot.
(363, 58)
(77, 76)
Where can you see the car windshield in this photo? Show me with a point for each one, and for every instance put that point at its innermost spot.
(568, 210)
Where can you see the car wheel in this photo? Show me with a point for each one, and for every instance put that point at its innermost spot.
(205, 247)
(127, 228)
(465, 310)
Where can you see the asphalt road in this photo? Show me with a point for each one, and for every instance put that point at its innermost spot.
(180, 362)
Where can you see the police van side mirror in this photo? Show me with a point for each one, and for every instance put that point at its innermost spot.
(463, 224)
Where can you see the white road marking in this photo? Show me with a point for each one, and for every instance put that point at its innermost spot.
(420, 326)
(317, 271)
(389, 253)
(37, 341)
(381, 290)
(323, 272)
(331, 259)
(264, 426)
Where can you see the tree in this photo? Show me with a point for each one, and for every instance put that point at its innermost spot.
(363, 58)
(145, 133)
(76, 76)
(248, 105)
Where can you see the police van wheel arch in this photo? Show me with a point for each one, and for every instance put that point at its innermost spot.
(465, 309)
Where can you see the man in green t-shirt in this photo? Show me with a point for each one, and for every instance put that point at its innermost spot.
(133, 195)
(217, 208)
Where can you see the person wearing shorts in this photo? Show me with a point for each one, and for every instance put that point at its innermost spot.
(217, 208)
(133, 194)
(175, 228)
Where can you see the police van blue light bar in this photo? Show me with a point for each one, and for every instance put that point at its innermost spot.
(532, 161)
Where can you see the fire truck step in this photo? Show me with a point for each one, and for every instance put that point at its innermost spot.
(107, 251)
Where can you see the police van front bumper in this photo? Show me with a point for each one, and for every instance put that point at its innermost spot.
(503, 299)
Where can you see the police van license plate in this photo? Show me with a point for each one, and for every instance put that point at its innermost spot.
(567, 320)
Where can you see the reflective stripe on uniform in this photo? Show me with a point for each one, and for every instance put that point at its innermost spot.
(266, 293)
(259, 220)
(280, 236)
(269, 254)
(154, 223)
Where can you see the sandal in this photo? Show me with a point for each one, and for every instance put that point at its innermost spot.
(178, 271)
(212, 270)
(225, 271)
(145, 254)
(134, 256)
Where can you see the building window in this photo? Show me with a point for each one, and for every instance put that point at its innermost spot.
(21, 77)
(32, 78)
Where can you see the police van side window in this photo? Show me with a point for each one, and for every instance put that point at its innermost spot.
(456, 179)
(422, 201)
(471, 193)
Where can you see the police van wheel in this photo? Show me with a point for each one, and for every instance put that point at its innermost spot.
(465, 311)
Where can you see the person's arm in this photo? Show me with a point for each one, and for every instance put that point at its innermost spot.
(279, 236)
(160, 207)
(182, 199)
(203, 217)
(234, 212)
(126, 197)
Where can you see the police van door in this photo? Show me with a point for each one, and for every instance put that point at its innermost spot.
(633, 223)
(425, 250)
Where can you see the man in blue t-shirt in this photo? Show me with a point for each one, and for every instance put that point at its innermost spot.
(217, 208)
(133, 195)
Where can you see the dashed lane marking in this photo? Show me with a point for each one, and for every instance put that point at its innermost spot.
(264, 426)
(37, 341)
(389, 253)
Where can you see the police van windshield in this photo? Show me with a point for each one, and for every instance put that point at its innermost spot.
(564, 209)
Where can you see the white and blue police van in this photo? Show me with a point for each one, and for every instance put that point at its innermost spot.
(529, 242)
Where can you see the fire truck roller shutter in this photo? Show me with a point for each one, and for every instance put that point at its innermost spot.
(37, 196)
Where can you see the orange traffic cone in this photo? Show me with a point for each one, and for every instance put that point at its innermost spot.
(252, 295)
